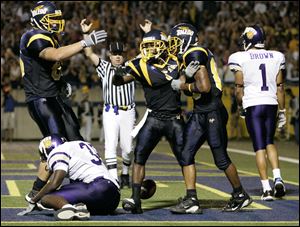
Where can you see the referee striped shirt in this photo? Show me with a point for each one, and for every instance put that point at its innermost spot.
(114, 95)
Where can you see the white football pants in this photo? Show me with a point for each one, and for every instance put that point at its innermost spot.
(118, 127)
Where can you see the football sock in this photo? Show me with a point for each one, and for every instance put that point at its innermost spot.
(191, 193)
(111, 164)
(266, 185)
(125, 168)
(276, 174)
(38, 184)
(136, 192)
(238, 189)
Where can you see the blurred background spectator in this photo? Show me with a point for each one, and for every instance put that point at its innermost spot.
(220, 24)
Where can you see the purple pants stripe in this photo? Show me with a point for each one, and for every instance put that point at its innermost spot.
(261, 125)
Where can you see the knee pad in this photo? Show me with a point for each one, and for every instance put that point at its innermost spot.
(221, 158)
(140, 157)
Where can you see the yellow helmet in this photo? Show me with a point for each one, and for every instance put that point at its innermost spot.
(154, 43)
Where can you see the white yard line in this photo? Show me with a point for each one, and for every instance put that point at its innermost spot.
(252, 153)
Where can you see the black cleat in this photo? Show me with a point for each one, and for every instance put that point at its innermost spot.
(124, 181)
(279, 188)
(187, 206)
(237, 202)
(129, 204)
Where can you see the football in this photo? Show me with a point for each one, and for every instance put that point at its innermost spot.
(148, 188)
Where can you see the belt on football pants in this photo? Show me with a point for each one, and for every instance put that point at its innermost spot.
(116, 108)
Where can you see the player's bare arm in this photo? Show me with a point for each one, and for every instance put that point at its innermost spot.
(280, 91)
(63, 53)
(52, 185)
(239, 87)
(201, 84)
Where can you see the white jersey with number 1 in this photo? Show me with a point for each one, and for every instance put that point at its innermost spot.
(80, 160)
(260, 68)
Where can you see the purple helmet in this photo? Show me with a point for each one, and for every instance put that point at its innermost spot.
(253, 36)
(49, 143)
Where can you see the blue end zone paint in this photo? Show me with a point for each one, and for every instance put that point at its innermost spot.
(278, 213)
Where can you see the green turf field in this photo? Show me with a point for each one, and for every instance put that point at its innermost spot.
(18, 170)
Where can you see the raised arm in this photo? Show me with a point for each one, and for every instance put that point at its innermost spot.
(88, 51)
(62, 53)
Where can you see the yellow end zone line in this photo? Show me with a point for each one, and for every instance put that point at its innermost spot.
(12, 188)
(31, 166)
(2, 156)
(226, 195)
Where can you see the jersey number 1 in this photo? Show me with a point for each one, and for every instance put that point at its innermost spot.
(262, 67)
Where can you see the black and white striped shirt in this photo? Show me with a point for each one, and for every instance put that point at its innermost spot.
(114, 95)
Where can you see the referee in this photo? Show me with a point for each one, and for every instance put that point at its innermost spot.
(119, 108)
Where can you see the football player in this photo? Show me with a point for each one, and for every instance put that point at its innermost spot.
(208, 120)
(154, 69)
(260, 91)
(41, 68)
(91, 190)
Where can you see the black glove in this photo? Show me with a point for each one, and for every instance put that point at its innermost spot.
(118, 77)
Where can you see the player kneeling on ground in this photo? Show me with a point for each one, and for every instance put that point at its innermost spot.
(91, 190)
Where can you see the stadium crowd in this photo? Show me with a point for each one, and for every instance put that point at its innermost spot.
(220, 25)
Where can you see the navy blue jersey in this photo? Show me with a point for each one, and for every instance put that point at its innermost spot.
(41, 77)
(206, 101)
(156, 82)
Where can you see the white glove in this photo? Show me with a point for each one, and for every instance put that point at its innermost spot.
(94, 38)
(281, 119)
(31, 207)
(175, 84)
(192, 68)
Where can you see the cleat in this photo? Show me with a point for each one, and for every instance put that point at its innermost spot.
(129, 204)
(124, 182)
(72, 213)
(267, 196)
(237, 202)
(187, 206)
(279, 188)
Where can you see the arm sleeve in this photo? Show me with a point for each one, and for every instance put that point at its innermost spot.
(233, 63)
(37, 43)
(282, 61)
(196, 54)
